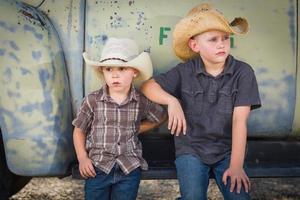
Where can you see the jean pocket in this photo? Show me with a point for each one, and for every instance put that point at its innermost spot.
(192, 101)
(226, 100)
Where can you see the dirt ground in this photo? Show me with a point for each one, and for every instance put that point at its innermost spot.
(71, 189)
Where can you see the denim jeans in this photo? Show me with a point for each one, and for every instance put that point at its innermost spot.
(193, 176)
(113, 186)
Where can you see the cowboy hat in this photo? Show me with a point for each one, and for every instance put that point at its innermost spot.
(200, 19)
(123, 52)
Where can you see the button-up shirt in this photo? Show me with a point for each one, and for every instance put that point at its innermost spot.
(208, 104)
(111, 129)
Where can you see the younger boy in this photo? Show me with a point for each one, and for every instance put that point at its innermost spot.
(216, 94)
(109, 120)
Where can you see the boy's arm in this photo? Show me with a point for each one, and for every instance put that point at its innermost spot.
(155, 93)
(86, 167)
(147, 125)
(235, 171)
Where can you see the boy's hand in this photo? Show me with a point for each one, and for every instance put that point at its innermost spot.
(237, 178)
(177, 123)
(86, 168)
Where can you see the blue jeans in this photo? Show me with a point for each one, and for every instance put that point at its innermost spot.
(193, 177)
(113, 186)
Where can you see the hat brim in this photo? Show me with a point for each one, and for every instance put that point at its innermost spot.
(142, 63)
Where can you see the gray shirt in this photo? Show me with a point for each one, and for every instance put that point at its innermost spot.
(208, 104)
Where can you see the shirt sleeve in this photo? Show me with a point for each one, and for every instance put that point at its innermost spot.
(154, 112)
(247, 94)
(170, 81)
(84, 116)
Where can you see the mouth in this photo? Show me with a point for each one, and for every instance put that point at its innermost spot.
(116, 83)
(222, 53)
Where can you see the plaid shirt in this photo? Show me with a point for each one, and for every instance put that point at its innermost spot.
(112, 129)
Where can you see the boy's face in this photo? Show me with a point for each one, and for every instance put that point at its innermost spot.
(213, 46)
(119, 79)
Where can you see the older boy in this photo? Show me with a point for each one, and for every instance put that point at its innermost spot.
(109, 120)
(216, 94)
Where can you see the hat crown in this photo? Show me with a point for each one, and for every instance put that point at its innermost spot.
(123, 49)
(200, 8)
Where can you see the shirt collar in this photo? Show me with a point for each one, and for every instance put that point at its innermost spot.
(200, 69)
(104, 96)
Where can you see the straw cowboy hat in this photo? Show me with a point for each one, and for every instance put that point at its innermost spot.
(200, 19)
(123, 52)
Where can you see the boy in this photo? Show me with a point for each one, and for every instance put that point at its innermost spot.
(216, 93)
(109, 120)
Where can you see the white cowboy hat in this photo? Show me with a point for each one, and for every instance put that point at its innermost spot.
(200, 19)
(123, 52)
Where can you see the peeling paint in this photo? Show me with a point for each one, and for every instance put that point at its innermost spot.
(2, 52)
(25, 71)
(13, 56)
(14, 45)
(31, 29)
(36, 55)
(101, 39)
(8, 73)
(13, 94)
(35, 110)
(292, 24)
(11, 28)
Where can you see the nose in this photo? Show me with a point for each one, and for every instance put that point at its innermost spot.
(221, 44)
(115, 74)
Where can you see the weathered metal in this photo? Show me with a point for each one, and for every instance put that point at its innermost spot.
(43, 78)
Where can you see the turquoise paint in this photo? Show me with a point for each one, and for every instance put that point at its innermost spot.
(47, 106)
(261, 70)
(25, 71)
(36, 55)
(8, 74)
(99, 39)
(11, 29)
(30, 107)
(50, 135)
(13, 94)
(292, 24)
(13, 56)
(31, 29)
(14, 45)
(282, 116)
(2, 52)
(44, 77)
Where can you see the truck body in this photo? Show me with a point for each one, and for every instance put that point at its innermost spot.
(43, 79)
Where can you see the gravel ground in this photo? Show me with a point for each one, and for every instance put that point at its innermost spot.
(71, 189)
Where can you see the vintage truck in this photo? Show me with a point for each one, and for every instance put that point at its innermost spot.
(43, 80)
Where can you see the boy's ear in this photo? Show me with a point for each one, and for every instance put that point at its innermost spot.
(135, 73)
(99, 69)
(193, 45)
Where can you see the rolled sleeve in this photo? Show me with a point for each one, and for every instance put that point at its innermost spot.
(248, 94)
(84, 116)
(154, 112)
